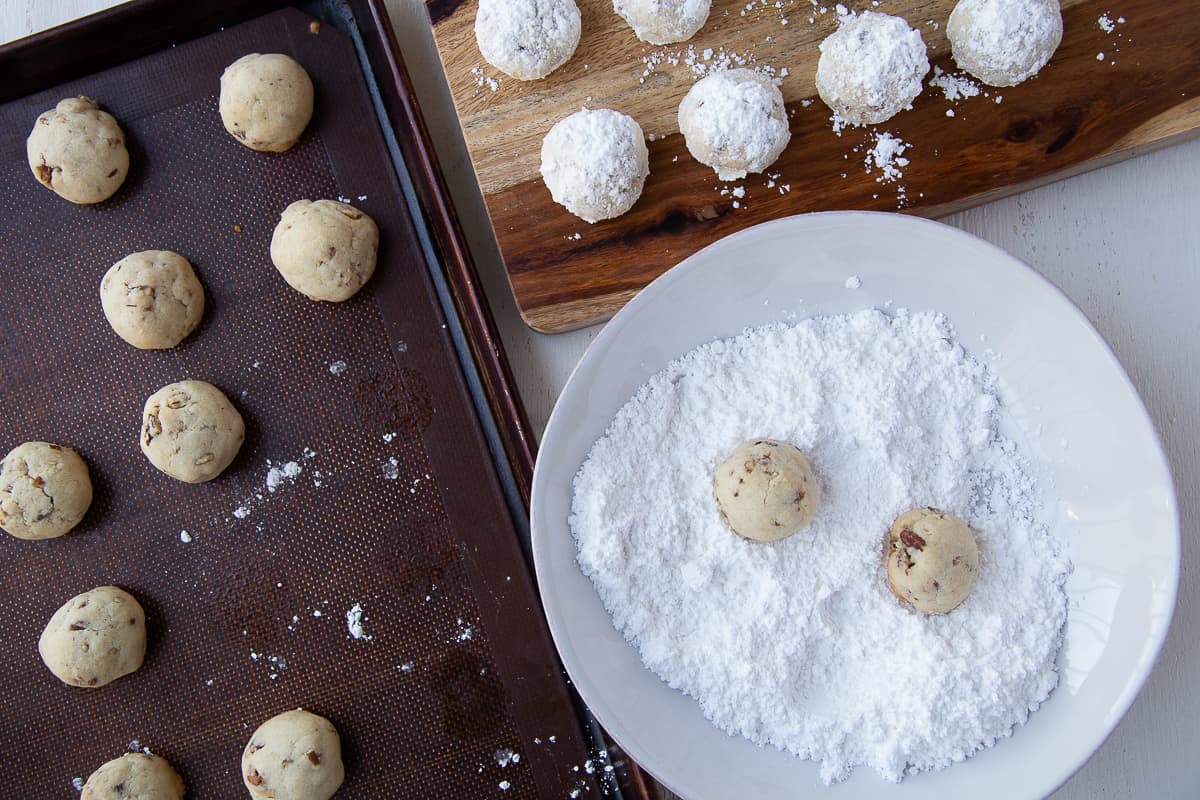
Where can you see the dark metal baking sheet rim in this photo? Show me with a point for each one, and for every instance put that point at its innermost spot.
(139, 27)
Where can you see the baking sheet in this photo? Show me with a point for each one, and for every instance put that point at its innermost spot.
(395, 507)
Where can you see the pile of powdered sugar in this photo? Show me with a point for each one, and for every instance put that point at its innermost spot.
(800, 644)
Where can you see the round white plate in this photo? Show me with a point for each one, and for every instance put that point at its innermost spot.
(1117, 505)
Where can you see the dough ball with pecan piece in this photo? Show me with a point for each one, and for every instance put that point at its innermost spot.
(78, 151)
(932, 560)
(766, 490)
(95, 638)
(191, 431)
(325, 249)
(134, 776)
(266, 101)
(295, 755)
(44, 490)
(152, 299)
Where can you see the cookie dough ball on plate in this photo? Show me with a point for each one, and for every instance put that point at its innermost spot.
(44, 490)
(1004, 42)
(78, 151)
(325, 249)
(766, 490)
(664, 21)
(871, 68)
(932, 560)
(152, 299)
(95, 638)
(595, 163)
(191, 431)
(266, 101)
(134, 776)
(734, 121)
(295, 755)
(527, 39)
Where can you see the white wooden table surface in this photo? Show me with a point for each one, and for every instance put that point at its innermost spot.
(1122, 242)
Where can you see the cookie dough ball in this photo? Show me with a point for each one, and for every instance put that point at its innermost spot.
(527, 39)
(78, 151)
(95, 638)
(134, 776)
(44, 490)
(932, 560)
(152, 299)
(191, 431)
(766, 490)
(871, 68)
(1004, 42)
(295, 755)
(664, 21)
(734, 121)
(325, 249)
(266, 101)
(595, 163)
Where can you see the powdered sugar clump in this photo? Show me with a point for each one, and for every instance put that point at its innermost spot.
(954, 87)
(800, 644)
(354, 622)
(887, 156)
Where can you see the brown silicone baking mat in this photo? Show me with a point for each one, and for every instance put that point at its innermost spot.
(364, 479)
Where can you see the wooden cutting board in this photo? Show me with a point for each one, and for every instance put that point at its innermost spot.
(1105, 96)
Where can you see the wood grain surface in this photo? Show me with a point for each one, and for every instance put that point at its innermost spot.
(1082, 111)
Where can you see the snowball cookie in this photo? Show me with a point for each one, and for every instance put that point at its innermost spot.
(325, 249)
(664, 21)
(295, 755)
(527, 39)
(44, 490)
(78, 151)
(1004, 42)
(152, 299)
(191, 431)
(932, 560)
(266, 101)
(734, 121)
(95, 638)
(134, 776)
(595, 163)
(766, 490)
(871, 68)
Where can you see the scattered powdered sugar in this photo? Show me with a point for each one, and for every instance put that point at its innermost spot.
(854, 282)
(185, 537)
(277, 475)
(887, 156)
(1106, 23)
(77, 783)
(391, 469)
(337, 367)
(506, 756)
(463, 632)
(354, 622)
(800, 644)
(954, 86)
(482, 79)
(504, 786)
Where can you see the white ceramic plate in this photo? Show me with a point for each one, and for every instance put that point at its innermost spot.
(1117, 502)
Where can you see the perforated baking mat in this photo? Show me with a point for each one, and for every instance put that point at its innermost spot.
(364, 482)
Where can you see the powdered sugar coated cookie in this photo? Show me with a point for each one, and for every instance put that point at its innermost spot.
(735, 122)
(664, 21)
(871, 68)
(527, 39)
(1004, 42)
(595, 163)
